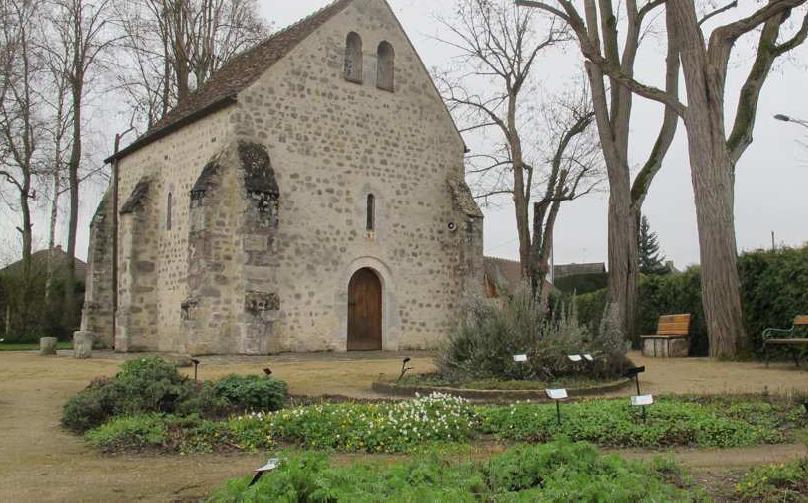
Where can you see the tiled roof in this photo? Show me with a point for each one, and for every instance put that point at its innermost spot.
(560, 271)
(236, 75)
(39, 261)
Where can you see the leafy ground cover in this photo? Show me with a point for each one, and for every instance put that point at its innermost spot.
(31, 346)
(696, 422)
(396, 427)
(775, 483)
(561, 471)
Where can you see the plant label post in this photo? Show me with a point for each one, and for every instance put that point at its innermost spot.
(272, 464)
(642, 401)
(404, 367)
(196, 368)
(557, 395)
(634, 372)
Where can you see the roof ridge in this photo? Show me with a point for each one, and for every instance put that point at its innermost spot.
(235, 75)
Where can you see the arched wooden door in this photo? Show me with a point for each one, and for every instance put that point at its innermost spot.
(364, 311)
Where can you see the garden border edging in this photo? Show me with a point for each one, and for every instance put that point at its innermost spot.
(393, 389)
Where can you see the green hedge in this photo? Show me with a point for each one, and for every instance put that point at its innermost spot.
(582, 283)
(774, 289)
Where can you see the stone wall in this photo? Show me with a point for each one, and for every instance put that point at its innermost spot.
(173, 164)
(332, 142)
(98, 302)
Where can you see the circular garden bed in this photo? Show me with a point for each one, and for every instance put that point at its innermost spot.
(493, 390)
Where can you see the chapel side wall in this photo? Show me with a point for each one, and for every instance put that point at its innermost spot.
(333, 142)
(172, 164)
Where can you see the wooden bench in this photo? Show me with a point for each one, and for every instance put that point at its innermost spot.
(672, 338)
(794, 339)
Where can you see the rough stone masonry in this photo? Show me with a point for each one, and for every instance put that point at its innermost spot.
(246, 214)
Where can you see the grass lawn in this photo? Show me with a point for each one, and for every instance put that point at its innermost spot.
(30, 346)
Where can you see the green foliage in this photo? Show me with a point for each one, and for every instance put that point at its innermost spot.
(785, 482)
(153, 385)
(774, 289)
(251, 392)
(185, 435)
(651, 259)
(412, 426)
(561, 471)
(483, 345)
(614, 423)
(28, 312)
(130, 433)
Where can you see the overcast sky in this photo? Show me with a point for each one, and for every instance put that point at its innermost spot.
(772, 177)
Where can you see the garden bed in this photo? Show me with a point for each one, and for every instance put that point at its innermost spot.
(561, 471)
(491, 390)
(414, 425)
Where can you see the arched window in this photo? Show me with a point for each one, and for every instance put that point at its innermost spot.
(169, 210)
(371, 216)
(385, 67)
(353, 58)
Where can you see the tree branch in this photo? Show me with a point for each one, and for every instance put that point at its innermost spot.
(718, 11)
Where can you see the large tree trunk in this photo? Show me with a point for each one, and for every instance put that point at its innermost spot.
(623, 260)
(713, 182)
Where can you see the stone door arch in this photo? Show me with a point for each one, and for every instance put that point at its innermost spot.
(365, 311)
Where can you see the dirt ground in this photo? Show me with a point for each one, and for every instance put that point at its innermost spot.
(41, 462)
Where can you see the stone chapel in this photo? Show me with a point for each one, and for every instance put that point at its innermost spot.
(310, 196)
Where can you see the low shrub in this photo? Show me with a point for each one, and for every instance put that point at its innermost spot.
(561, 471)
(153, 385)
(483, 345)
(248, 393)
(784, 482)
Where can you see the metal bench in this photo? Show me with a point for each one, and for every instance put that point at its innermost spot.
(795, 339)
(672, 339)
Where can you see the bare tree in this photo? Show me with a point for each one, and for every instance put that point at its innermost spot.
(173, 46)
(575, 168)
(81, 38)
(19, 124)
(713, 153)
(599, 28)
(498, 45)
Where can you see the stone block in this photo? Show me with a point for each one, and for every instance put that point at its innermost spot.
(47, 346)
(665, 346)
(83, 344)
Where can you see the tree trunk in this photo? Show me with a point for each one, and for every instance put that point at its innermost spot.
(623, 261)
(73, 166)
(711, 170)
(713, 182)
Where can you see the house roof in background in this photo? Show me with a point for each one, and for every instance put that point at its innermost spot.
(39, 261)
(560, 271)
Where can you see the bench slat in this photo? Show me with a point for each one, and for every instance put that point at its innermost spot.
(801, 320)
(675, 318)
